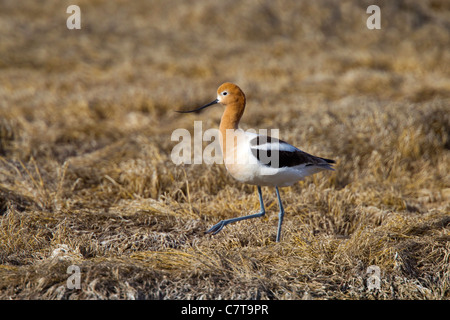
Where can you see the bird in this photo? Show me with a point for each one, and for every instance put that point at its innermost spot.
(258, 159)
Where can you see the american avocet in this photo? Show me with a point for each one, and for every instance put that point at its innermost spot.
(282, 166)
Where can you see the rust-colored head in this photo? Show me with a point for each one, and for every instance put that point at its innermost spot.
(229, 95)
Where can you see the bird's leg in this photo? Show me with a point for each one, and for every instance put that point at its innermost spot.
(217, 227)
(280, 215)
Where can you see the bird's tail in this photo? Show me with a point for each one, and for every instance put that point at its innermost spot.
(327, 164)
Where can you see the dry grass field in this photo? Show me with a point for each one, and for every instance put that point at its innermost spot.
(86, 176)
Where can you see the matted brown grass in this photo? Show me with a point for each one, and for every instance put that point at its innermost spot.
(86, 176)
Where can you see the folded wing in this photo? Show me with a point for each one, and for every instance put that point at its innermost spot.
(277, 153)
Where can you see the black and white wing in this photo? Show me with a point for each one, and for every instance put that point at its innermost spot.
(277, 153)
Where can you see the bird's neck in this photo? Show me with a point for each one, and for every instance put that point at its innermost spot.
(230, 122)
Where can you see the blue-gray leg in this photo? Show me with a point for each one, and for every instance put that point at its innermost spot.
(217, 227)
(280, 215)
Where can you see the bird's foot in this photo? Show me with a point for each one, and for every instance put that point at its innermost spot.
(217, 227)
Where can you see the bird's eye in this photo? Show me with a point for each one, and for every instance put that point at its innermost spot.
(224, 93)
